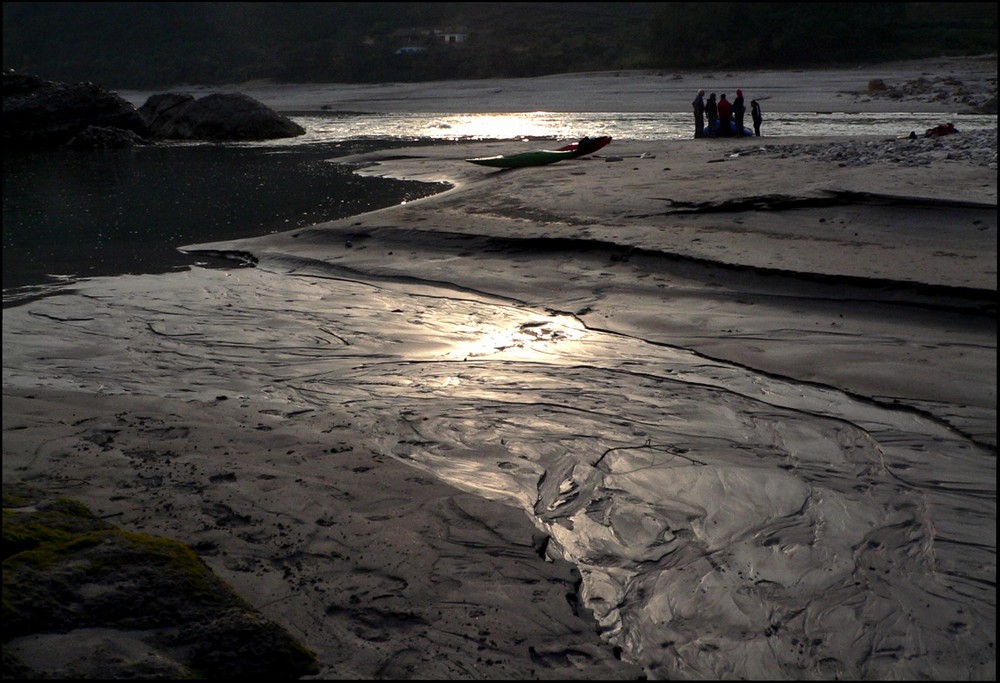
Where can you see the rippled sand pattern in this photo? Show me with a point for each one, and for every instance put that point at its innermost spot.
(727, 523)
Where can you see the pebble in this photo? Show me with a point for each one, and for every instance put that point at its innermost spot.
(978, 147)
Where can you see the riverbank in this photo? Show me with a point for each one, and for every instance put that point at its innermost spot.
(663, 411)
(945, 85)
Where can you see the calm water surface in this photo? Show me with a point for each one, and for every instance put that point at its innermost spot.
(640, 126)
(70, 214)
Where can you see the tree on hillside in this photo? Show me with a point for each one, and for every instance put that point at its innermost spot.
(768, 34)
(158, 44)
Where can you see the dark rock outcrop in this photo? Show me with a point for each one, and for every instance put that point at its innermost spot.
(221, 117)
(85, 599)
(39, 114)
(988, 107)
(100, 137)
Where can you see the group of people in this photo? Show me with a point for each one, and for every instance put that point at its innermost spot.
(725, 118)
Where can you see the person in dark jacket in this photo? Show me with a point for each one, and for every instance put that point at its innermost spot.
(699, 113)
(712, 112)
(739, 111)
(755, 115)
(725, 116)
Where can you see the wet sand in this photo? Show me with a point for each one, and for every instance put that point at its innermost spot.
(705, 411)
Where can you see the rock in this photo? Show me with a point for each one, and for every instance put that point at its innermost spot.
(159, 110)
(977, 147)
(99, 137)
(39, 114)
(85, 599)
(976, 96)
(219, 117)
(988, 107)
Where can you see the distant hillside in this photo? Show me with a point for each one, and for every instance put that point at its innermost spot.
(157, 44)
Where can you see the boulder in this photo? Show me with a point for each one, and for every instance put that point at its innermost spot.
(877, 85)
(159, 110)
(99, 137)
(219, 117)
(988, 107)
(40, 114)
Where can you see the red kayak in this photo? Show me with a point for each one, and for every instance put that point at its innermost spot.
(586, 145)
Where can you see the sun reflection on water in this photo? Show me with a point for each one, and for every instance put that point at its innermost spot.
(540, 337)
(499, 126)
(568, 126)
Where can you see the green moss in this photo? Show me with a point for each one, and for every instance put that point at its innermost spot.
(19, 494)
(65, 569)
(44, 523)
(19, 536)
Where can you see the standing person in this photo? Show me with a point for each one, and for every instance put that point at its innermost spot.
(699, 113)
(725, 115)
(712, 111)
(739, 111)
(755, 115)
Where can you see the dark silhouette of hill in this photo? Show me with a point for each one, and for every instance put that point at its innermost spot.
(155, 44)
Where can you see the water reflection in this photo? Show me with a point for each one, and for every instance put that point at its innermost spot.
(534, 338)
(622, 126)
(72, 214)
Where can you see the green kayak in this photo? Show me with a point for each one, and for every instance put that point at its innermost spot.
(542, 157)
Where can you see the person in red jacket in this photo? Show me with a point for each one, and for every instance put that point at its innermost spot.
(725, 116)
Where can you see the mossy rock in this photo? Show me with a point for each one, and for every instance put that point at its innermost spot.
(66, 571)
